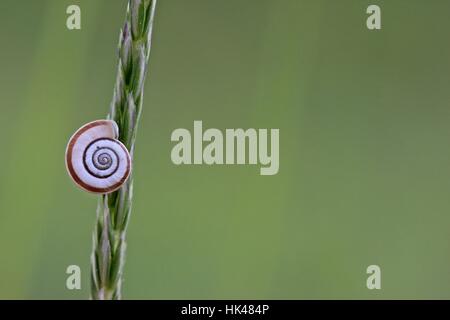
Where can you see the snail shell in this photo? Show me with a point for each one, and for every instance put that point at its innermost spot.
(95, 160)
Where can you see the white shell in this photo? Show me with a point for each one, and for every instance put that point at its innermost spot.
(95, 160)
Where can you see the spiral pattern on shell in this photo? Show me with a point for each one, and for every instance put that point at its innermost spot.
(95, 160)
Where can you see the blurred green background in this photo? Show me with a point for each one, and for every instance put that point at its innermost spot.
(364, 123)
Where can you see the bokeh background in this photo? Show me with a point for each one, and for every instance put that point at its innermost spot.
(364, 121)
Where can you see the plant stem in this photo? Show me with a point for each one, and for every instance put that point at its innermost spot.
(113, 212)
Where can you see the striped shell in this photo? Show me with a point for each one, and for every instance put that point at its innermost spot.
(95, 160)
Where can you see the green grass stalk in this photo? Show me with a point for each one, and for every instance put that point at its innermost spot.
(113, 212)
